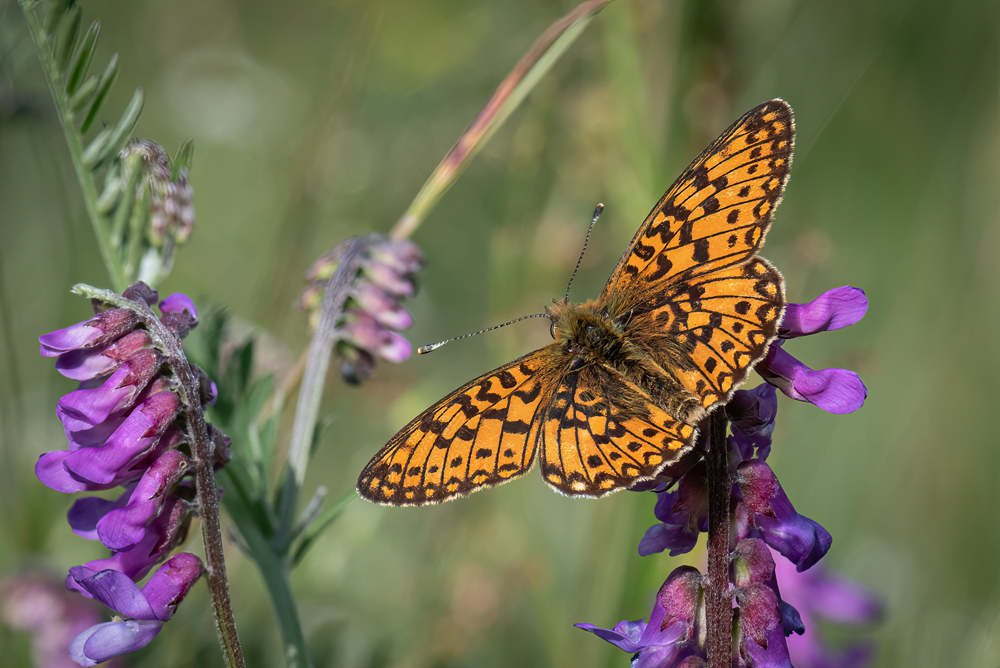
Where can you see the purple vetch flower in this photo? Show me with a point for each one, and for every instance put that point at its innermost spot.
(124, 426)
(833, 390)
(373, 309)
(768, 509)
(675, 629)
(144, 610)
(751, 414)
(818, 594)
(683, 515)
(761, 635)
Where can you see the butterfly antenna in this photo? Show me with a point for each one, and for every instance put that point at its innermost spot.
(423, 350)
(597, 214)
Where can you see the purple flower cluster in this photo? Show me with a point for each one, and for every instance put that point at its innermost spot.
(373, 310)
(764, 522)
(125, 427)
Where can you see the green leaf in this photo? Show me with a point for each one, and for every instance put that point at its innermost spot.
(95, 148)
(183, 159)
(66, 35)
(56, 11)
(321, 523)
(81, 96)
(84, 54)
(103, 86)
(123, 129)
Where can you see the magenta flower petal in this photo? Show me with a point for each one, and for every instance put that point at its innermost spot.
(171, 583)
(73, 337)
(381, 305)
(86, 408)
(110, 639)
(117, 591)
(85, 364)
(800, 539)
(178, 303)
(833, 390)
(123, 527)
(834, 309)
(50, 470)
(130, 442)
(366, 333)
(162, 535)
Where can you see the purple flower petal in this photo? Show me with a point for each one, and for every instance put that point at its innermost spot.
(171, 583)
(674, 537)
(73, 337)
(49, 469)
(381, 305)
(752, 415)
(798, 538)
(179, 303)
(85, 514)
(85, 408)
(132, 441)
(162, 535)
(85, 364)
(116, 591)
(122, 528)
(834, 390)
(363, 331)
(834, 309)
(97, 331)
(624, 636)
(110, 639)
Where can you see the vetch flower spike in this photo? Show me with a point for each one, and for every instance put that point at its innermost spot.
(800, 539)
(138, 402)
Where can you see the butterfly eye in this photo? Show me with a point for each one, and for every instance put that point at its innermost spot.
(552, 329)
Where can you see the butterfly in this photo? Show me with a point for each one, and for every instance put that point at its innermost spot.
(617, 396)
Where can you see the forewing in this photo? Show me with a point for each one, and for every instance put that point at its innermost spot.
(717, 212)
(481, 435)
(601, 435)
(712, 330)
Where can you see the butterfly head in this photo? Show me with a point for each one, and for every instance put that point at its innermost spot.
(585, 329)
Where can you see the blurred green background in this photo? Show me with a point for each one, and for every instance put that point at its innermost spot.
(320, 119)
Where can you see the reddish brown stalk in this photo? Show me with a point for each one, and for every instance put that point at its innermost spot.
(718, 605)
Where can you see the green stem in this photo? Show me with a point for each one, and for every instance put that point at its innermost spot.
(116, 270)
(274, 569)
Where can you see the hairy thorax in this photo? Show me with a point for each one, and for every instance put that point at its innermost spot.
(590, 335)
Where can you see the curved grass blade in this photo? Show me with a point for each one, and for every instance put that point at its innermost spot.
(546, 50)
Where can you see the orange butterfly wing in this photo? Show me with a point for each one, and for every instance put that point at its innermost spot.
(483, 434)
(602, 434)
(716, 213)
(689, 286)
(723, 323)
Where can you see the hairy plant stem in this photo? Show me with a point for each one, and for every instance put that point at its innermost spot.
(116, 271)
(718, 605)
(203, 452)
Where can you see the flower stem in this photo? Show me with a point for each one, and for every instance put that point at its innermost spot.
(208, 508)
(311, 392)
(719, 607)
